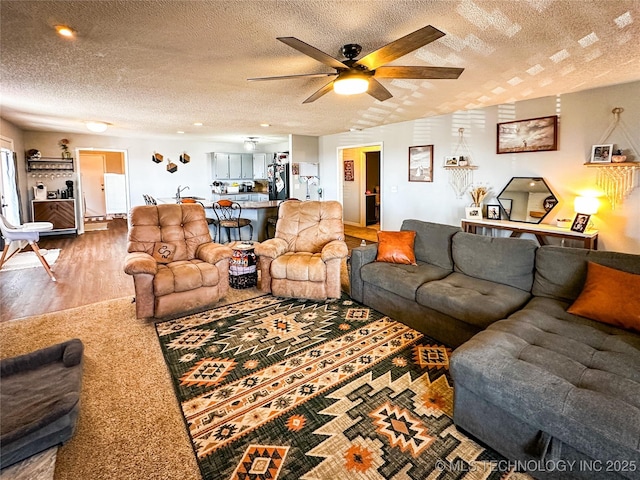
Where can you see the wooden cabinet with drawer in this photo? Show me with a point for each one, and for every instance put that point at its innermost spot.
(62, 213)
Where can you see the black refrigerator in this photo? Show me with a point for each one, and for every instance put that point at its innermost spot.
(278, 177)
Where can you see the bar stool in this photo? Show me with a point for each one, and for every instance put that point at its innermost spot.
(229, 215)
(23, 235)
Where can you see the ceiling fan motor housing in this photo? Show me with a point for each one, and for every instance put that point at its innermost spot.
(351, 50)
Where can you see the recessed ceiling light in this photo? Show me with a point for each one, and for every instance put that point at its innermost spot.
(65, 31)
(197, 124)
(179, 131)
(265, 125)
(97, 127)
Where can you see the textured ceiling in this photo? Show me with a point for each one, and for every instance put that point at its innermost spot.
(156, 67)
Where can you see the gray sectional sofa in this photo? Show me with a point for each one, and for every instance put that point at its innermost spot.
(556, 392)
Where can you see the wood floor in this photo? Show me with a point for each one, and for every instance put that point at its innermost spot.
(89, 269)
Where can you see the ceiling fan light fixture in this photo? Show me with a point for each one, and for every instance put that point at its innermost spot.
(97, 127)
(350, 84)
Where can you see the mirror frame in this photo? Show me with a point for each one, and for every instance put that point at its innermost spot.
(549, 203)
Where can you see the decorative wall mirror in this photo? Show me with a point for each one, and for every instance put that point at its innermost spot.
(527, 199)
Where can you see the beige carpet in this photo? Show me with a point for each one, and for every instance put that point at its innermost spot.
(130, 425)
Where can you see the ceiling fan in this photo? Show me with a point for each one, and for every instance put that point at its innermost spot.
(359, 76)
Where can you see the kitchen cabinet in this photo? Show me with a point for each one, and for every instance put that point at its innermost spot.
(220, 165)
(235, 165)
(62, 213)
(247, 166)
(232, 166)
(259, 166)
(259, 197)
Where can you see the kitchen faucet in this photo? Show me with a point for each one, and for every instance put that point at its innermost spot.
(180, 190)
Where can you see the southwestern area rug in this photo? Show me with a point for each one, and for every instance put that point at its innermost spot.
(274, 388)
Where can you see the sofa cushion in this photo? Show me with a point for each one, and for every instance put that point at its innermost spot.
(509, 261)
(472, 300)
(300, 266)
(184, 275)
(561, 271)
(396, 247)
(433, 242)
(578, 382)
(400, 279)
(610, 296)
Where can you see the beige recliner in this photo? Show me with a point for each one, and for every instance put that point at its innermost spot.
(304, 258)
(176, 268)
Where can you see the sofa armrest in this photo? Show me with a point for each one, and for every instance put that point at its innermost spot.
(213, 252)
(334, 249)
(140, 262)
(69, 352)
(361, 256)
(272, 248)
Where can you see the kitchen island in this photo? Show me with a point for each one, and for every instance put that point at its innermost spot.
(256, 212)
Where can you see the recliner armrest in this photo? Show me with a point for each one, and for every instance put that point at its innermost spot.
(140, 262)
(272, 248)
(213, 252)
(334, 249)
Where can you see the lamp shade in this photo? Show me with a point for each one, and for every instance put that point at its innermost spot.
(586, 205)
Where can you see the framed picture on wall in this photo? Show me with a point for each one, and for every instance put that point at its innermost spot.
(421, 163)
(348, 171)
(531, 135)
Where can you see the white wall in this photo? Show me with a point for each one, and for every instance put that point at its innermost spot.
(584, 119)
(304, 149)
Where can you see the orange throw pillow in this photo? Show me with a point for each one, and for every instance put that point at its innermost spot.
(610, 296)
(396, 247)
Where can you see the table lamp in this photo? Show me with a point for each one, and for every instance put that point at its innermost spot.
(586, 206)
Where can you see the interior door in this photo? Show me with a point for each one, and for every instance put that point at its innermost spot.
(92, 175)
(9, 198)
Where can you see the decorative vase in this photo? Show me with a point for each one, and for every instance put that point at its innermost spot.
(618, 157)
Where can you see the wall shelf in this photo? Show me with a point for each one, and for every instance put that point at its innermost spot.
(49, 163)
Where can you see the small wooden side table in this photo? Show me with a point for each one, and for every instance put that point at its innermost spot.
(589, 238)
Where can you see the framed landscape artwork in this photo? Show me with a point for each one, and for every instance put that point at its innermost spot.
(421, 163)
(531, 135)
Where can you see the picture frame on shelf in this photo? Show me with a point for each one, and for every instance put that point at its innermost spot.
(451, 161)
(530, 135)
(601, 153)
(493, 212)
(580, 223)
(473, 213)
(421, 163)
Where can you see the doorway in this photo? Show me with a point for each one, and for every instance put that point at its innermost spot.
(361, 182)
(9, 193)
(102, 187)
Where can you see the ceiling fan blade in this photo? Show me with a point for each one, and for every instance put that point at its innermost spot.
(284, 77)
(312, 52)
(400, 47)
(325, 89)
(377, 91)
(418, 72)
